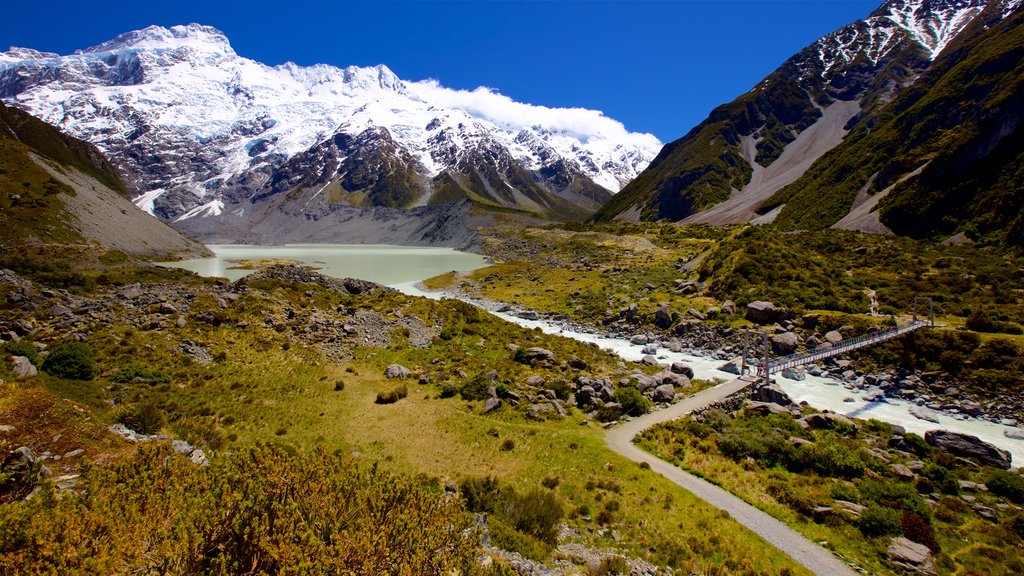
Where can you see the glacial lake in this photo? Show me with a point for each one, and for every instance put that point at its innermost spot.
(400, 267)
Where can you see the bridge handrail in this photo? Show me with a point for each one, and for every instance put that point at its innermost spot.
(844, 346)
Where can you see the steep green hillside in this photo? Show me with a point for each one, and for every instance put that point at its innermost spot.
(960, 124)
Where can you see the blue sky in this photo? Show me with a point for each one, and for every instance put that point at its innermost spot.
(658, 67)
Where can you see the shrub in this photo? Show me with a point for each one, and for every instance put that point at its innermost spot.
(507, 445)
(22, 349)
(897, 495)
(919, 530)
(476, 388)
(143, 418)
(537, 513)
(880, 520)
(918, 444)
(393, 395)
(561, 389)
(1016, 524)
(608, 413)
(1007, 484)
(481, 494)
(942, 477)
(610, 566)
(831, 459)
(632, 401)
(72, 360)
(551, 482)
(135, 373)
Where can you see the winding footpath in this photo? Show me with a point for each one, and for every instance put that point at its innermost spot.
(808, 554)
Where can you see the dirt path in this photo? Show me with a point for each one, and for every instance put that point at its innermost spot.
(620, 439)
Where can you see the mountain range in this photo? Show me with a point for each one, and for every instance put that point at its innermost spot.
(905, 122)
(199, 132)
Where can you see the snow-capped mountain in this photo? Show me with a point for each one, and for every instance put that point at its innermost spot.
(749, 149)
(198, 130)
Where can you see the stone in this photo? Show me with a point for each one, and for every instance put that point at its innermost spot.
(969, 447)
(761, 312)
(663, 317)
(852, 508)
(7, 429)
(767, 409)
(168, 308)
(182, 447)
(922, 413)
(397, 371)
(728, 307)
(584, 396)
(74, 453)
(537, 354)
(491, 405)
(644, 382)
(683, 369)
(903, 472)
(669, 377)
(696, 314)
(911, 556)
(773, 394)
(639, 339)
(795, 373)
(198, 457)
(785, 343)
(732, 366)
(535, 381)
(833, 337)
(23, 368)
(828, 420)
(663, 393)
(649, 360)
(1014, 433)
(577, 363)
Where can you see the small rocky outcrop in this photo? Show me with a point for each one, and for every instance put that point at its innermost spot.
(22, 367)
(969, 447)
(535, 354)
(911, 556)
(397, 371)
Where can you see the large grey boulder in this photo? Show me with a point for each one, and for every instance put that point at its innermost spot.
(536, 354)
(683, 369)
(795, 373)
(397, 371)
(491, 405)
(663, 317)
(663, 393)
(911, 556)
(772, 394)
(761, 312)
(22, 367)
(833, 337)
(732, 366)
(785, 343)
(969, 447)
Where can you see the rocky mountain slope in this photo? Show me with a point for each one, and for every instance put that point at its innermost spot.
(199, 131)
(943, 160)
(55, 189)
(749, 149)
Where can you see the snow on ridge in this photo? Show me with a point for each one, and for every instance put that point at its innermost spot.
(186, 82)
(934, 24)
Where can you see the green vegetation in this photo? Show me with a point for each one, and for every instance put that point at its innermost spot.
(842, 486)
(263, 510)
(24, 349)
(72, 360)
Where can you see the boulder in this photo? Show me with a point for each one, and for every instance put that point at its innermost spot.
(649, 360)
(397, 371)
(696, 314)
(681, 368)
(728, 307)
(911, 556)
(761, 312)
(922, 413)
(663, 317)
(1014, 433)
(673, 379)
(794, 373)
(767, 409)
(536, 354)
(576, 363)
(833, 337)
(584, 396)
(22, 367)
(663, 393)
(828, 420)
(644, 382)
(491, 405)
(969, 447)
(785, 343)
(903, 472)
(732, 366)
(773, 394)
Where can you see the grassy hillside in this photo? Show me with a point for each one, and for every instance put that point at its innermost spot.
(960, 123)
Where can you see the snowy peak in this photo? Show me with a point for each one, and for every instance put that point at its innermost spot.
(931, 23)
(196, 36)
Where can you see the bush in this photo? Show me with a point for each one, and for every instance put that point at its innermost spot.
(879, 521)
(537, 513)
(942, 478)
(632, 401)
(481, 494)
(135, 373)
(22, 349)
(831, 459)
(476, 388)
(918, 444)
(1007, 484)
(561, 389)
(919, 530)
(897, 495)
(72, 360)
(144, 418)
(393, 395)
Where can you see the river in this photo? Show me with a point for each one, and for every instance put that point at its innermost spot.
(403, 268)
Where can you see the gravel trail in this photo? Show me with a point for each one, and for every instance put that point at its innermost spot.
(620, 439)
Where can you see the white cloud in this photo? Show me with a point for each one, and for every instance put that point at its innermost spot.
(489, 105)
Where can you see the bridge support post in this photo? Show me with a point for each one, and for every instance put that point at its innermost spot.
(743, 362)
(767, 350)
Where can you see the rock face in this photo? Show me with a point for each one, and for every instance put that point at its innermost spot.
(911, 556)
(969, 447)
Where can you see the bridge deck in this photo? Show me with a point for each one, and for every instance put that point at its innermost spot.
(843, 347)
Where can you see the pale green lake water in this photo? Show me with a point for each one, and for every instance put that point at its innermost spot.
(396, 266)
